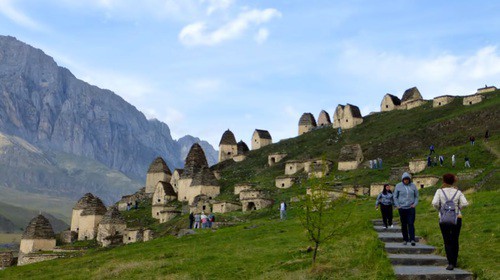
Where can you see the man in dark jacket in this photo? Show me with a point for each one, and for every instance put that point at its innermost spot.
(405, 200)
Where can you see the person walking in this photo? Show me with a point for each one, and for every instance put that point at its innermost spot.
(472, 139)
(204, 220)
(282, 210)
(453, 160)
(450, 232)
(431, 150)
(379, 163)
(467, 162)
(191, 220)
(370, 162)
(375, 165)
(441, 160)
(429, 161)
(487, 135)
(405, 200)
(385, 200)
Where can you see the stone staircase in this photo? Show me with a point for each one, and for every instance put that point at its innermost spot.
(415, 262)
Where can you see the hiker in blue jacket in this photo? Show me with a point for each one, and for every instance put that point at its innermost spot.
(405, 200)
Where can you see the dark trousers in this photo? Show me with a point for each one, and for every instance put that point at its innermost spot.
(191, 224)
(386, 214)
(450, 236)
(407, 217)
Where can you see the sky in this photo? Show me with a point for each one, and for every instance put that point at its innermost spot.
(205, 66)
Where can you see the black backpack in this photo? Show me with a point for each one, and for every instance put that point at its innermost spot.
(447, 211)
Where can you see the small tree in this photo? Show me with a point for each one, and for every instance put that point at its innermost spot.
(321, 216)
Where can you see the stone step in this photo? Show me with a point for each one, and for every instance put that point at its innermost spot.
(389, 229)
(393, 237)
(399, 248)
(411, 272)
(413, 259)
(381, 223)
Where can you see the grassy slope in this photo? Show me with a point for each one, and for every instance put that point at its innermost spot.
(262, 247)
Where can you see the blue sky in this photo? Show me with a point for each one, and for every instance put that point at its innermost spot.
(204, 66)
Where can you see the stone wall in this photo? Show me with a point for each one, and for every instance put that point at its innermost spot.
(472, 99)
(167, 215)
(258, 142)
(132, 236)
(424, 181)
(442, 100)
(305, 128)
(242, 187)
(153, 178)
(6, 259)
(225, 207)
(174, 181)
(387, 104)
(417, 165)
(285, 182)
(75, 219)
(106, 232)
(251, 194)
(227, 151)
(69, 236)
(348, 165)
(292, 167)
(274, 158)
(413, 104)
(238, 158)
(25, 259)
(256, 204)
(35, 245)
(376, 188)
(356, 190)
(332, 194)
(88, 226)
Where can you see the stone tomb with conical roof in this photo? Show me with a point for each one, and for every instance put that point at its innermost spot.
(38, 236)
(324, 118)
(412, 98)
(306, 123)
(86, 216)
(197, 178)
(242, 152)
(164, 193)
(261, 138)
(111, 228)
(158, 171)
(347, 116)
(228, 148)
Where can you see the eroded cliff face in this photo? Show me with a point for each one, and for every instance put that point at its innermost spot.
(50, 108)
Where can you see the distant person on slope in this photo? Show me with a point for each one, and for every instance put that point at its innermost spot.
(431, 150)
(405, 200)
(453, 160)
(487, 135)
(472, 140)
(450, 232)
(467, 162)
(282, 210)
(191, 220)
(385, 200)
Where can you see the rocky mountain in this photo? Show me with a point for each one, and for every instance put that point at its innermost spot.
(50, 108)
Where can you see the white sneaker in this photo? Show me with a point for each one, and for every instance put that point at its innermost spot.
(392, 226)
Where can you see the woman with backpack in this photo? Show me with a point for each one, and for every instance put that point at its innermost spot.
(449, 201)
(385, 200)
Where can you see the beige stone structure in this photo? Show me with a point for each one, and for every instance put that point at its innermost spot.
(306, 123)
(133, 235)
(389, 103)
(243, 187)
(417, 165)
(164, 193)
(251, 194)
(324, 119)
(242, 152)
(472, 99)
(293, 166)
(38, 236)
(332, 193)
(225, 207)
(424, 181)
(486, 89)
(376, 188)
(285, 182)
(6, 259)
(256, 204)
(275, 158)
(176, 176)
(197, 178)
(350, 157)
(228, 148)
(111, 228)
(442, 100)
(317, 168)
(167, 213)
(158, 171)
(261, 138)
(124, 202)
(347, 116)
(412, 99)
(68, 236)
(86, 216)
(356, 190)
(201, 204)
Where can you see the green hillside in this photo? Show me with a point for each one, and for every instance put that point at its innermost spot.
(261, 246)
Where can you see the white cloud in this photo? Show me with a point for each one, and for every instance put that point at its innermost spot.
(215, 5)
(205, 85)
(198, 34)
(435, 75)
(261, 35)
(8, 10)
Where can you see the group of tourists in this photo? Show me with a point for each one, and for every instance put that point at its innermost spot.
(448, 200)
(375, 163)
(434, 161)
(200, 220)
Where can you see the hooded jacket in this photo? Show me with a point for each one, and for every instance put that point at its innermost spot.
(405, 195)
